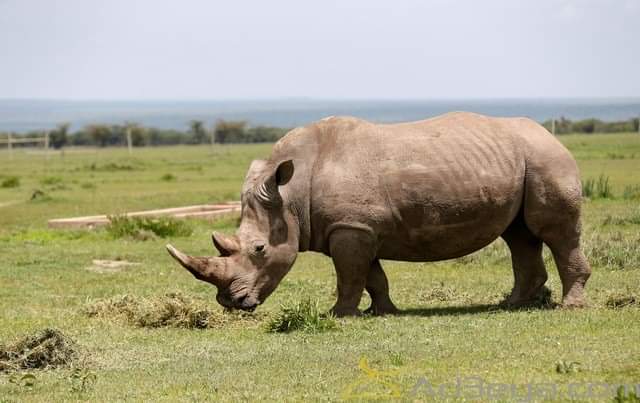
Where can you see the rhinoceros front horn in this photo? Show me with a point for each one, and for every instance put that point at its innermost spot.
(209, 269)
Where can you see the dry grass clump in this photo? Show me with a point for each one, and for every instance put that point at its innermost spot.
(169, 310)
(442, 293)
(620, 300)
(48, 348)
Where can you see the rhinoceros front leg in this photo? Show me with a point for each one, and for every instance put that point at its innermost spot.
(378, 288)
(353, 252)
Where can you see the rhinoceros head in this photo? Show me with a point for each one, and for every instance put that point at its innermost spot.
(254, 260)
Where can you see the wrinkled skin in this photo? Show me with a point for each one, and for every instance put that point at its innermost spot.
(421, 191)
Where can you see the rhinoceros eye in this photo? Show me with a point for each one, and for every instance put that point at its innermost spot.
(259, 248)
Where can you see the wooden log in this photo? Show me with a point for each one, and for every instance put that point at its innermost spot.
(197, 211)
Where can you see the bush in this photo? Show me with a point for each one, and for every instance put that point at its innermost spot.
(168, 177)
(227, 131)
(10, 182)
(143, 228)
(60, 137)
(304, 316)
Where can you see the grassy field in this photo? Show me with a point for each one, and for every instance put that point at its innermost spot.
(450, 327)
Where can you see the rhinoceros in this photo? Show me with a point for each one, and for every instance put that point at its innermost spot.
(421, 191)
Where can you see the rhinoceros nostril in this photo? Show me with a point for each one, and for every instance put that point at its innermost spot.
(246, 303)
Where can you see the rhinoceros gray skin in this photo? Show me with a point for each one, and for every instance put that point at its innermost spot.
(422, 191)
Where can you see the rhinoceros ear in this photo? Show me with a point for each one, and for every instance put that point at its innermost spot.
(268, 192)
(284, 172)
(227, 246)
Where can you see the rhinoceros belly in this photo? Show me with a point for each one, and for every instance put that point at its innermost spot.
(450, 205)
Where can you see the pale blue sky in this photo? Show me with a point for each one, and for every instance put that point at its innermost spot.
(189, 49)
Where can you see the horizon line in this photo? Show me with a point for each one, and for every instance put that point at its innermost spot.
(326, 99)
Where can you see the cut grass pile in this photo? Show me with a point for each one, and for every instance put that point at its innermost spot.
(48, 348)
(169, 310)
(143, 228)
(620, 300)
(306, 316)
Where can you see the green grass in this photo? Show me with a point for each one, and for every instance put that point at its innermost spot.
(156, 348)
(597, 189)
(305, 315)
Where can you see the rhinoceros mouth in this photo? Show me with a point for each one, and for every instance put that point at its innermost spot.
(245, 302)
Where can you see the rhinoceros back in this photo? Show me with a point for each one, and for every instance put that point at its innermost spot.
(428, 190)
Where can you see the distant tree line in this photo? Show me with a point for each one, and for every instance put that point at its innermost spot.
(103, 135)
(588, 126)
(237, 131)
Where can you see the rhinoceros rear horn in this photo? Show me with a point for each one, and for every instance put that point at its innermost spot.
(227, 246)
(209, 269)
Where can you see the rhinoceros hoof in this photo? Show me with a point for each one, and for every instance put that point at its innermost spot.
(574, 303)
(381, 310)
(342, 312)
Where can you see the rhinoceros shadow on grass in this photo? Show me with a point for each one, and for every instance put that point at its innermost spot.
(458, 310)
(431, 190)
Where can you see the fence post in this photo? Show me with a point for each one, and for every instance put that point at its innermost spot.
(213, 138)
(553, 126)
(129, 139)
(46, 144)
(10, 146)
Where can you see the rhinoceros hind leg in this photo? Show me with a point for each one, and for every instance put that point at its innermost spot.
(529, 271)
(378, 288)
(574, 271)
(352, 251)
(552, 213)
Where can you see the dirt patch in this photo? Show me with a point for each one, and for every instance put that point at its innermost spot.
(169, 310)
(9, 203)
(110, 266)
(48, 348)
